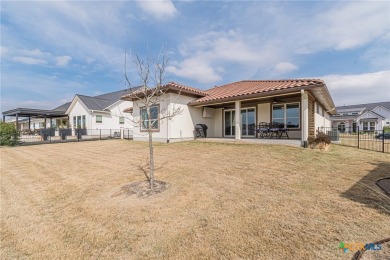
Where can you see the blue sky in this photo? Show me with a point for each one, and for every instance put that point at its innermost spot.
(52, 50)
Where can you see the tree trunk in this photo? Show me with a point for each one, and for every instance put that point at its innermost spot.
(151, 161)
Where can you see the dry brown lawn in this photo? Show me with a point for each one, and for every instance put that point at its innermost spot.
(224, 201)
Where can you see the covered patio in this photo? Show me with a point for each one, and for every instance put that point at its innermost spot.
(29, 113)
(279, 109)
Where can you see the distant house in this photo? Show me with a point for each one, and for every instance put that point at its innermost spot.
(365, 117)
(234, 110)
(104, 111)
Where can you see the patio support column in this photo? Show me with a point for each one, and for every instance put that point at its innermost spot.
(305, 117)
(45, 124)
(3, 118)
(29, 123)
(237, 120)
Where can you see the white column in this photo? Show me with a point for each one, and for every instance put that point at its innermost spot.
(305, 116)
(238, 120)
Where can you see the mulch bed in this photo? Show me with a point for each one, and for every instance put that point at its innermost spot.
(141, 189)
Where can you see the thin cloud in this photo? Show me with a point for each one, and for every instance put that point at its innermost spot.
(285, 67)
(160, 9)
(63, 60)
(29, 60)
(359, 88)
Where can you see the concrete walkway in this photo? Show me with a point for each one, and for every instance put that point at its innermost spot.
(289, 142)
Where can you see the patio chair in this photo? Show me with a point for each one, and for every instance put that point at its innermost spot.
(283, 131)
(262, 131)
(274, 130)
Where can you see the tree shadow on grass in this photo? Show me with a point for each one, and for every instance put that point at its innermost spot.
(367, 192)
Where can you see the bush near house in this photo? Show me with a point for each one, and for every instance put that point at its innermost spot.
(8, 134)
(386, 129)
(321, 141)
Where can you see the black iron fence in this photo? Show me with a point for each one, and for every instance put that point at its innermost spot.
(375, 140)
(51, 135)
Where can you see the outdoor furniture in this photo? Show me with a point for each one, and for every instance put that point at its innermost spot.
(262, 130)
(274, 130)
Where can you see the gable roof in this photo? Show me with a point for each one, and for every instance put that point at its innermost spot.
(63, 107)
(372, 113)
(103, 101)
(251, 87)
(361, 107)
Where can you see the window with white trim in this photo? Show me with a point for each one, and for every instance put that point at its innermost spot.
(368, 126)
(152, 121)
(99, 119)
(121, 120)
(287, 115)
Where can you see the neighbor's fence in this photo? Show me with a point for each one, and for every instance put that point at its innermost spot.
(51, 135)
(376, 140)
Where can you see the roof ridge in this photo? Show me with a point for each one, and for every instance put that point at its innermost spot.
(91, 97)
(373, 103)
(269, 80)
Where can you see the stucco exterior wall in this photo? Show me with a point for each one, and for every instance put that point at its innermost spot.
(180, 127)
(218, 122)
(162, 134)
(321, 117)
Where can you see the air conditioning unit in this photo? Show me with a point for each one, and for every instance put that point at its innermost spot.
(208, 112)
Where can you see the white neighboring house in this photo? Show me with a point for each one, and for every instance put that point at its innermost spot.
(300, 105)
(367, 117)
(104, 111)
(100, 112)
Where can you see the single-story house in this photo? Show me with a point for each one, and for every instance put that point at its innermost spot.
(105, 111)
(300, 105)
(365, 117)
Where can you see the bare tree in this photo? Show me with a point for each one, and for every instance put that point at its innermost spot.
(149, 95)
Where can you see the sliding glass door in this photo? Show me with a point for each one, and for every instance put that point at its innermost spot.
(248, 122)
(229, 123)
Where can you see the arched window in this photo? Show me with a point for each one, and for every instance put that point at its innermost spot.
(341, 127)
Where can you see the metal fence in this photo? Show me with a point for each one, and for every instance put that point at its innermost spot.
(376, 140)
(51, 135)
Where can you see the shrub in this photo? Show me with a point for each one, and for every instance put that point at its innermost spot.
(320, 138)
(386, 129)
(8, 134)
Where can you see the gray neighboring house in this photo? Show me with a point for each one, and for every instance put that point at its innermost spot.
(368, 117)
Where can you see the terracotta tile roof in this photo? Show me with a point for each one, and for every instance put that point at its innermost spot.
(187, 88)
(250, 87)
(169, 86)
